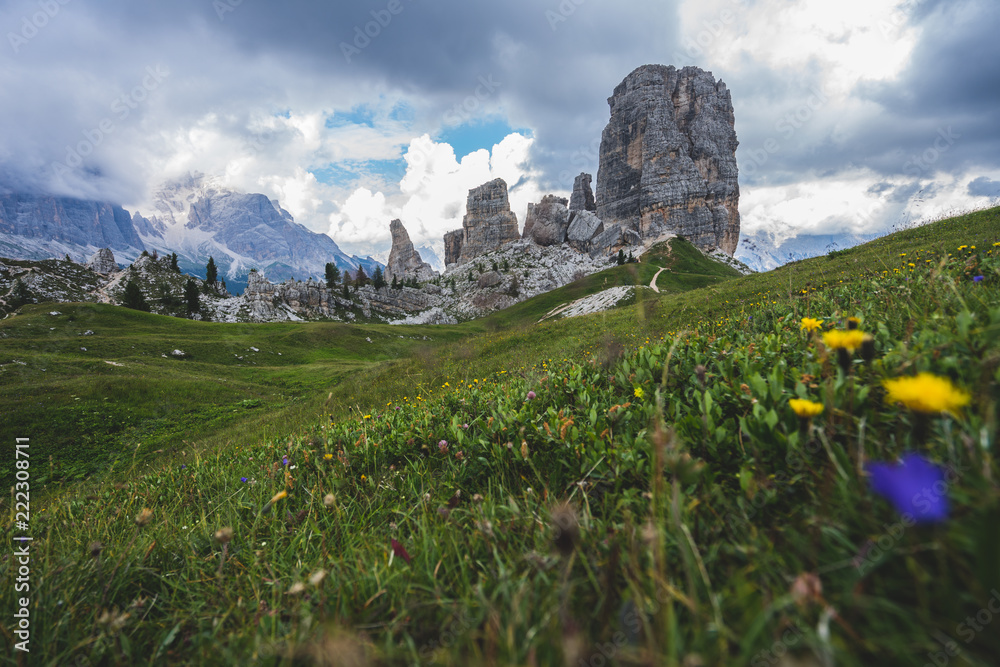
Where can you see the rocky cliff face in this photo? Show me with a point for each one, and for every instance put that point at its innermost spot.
(547, 222)
(404, 261)
(583, 197)
(668, 157)
(38, 226)
(488, 223)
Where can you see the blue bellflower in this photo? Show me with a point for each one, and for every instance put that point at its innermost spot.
(915, 486)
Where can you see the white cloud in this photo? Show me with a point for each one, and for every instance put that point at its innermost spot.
(433, 193)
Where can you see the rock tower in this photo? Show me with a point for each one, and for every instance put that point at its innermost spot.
(668, 158)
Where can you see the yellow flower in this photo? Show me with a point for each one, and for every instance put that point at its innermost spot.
(368, 416)
(278, 496)
(811, 324)
(844, 340)
(925, 393)
(804, 408)
(638, 393)
(328, 456)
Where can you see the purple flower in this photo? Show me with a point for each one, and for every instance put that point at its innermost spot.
(531, 395)
(977, 279)
(284, 460)
(243, 479)
(915, 486)
(465, 426)
(183, 466)
(443, 446)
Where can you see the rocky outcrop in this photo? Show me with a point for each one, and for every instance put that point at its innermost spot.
(453, 246)
(103, 262)
(547, 222)
(668, 158)
(583, 226)
(488, 223)
(582, 198)
(404, 261)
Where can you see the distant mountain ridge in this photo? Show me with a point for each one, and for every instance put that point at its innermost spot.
(195, 217)
(764, 250)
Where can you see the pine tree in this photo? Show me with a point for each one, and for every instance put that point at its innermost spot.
(347, 294)
(395, 283)
(173, 263)
(621, 257)
(378, 280)
(211, 272)
(133, 298)
(360, 279)
(191, 296)
(19, 295)
(332, 275)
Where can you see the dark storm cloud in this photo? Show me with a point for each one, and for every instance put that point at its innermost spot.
(70, 73)
(555, 63)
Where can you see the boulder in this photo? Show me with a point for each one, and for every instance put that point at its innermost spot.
(547, 222)
(583, 226)
(668, 158)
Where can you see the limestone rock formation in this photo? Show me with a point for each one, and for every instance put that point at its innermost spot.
(668, 157)
(453, 246)
(583, 226)
(103, 262)
(547, 222)
(582, 198)
(404, 261)
(488, 224)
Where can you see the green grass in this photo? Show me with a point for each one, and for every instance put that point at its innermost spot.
(657, 500)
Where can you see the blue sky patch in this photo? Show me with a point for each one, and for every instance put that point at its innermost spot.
(470, 137)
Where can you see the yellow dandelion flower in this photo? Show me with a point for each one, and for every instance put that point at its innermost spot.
(811, 324)
(926, 393)
(844, 340)
(638, 393)
(328, 456)
(804, 408)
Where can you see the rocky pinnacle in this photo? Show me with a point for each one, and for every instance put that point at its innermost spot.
(488, 224)
(404, 261)
(668, 157)
(583, 197)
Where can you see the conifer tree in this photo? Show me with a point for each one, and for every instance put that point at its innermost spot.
(378, 280)
(360, 279)
(211, 272)
(332, 275)
(133, 298)
(191, 296)
(173, 263)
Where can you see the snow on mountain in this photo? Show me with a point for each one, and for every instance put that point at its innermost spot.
(764, 250)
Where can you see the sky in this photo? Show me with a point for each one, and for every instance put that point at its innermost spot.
(852, 116)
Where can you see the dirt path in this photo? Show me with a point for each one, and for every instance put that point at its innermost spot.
(653, 282)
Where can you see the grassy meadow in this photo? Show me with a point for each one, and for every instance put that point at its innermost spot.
(686, 480)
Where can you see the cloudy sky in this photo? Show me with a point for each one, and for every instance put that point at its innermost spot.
(851, 116)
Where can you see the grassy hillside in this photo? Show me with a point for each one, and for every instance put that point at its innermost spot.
(633, 486)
